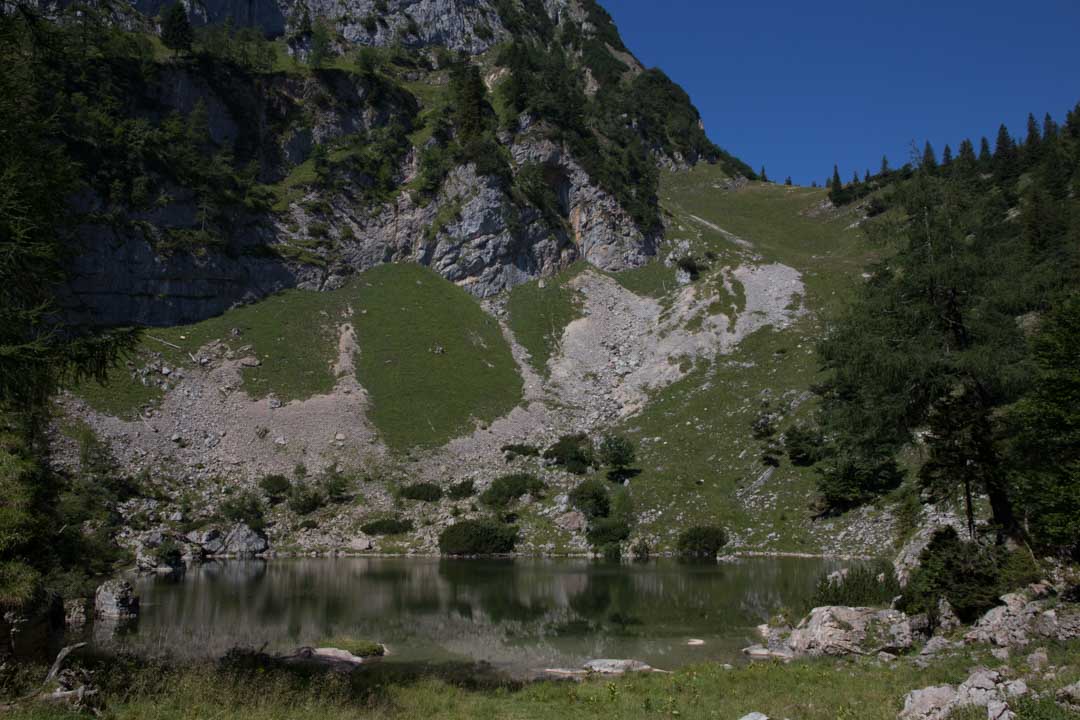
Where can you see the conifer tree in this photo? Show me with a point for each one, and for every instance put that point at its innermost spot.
(764, 175)
(929, 159)
(855, 178)
(946, 157)
(1005, 168)
(966, 161)
(322, 47)
(176, 33)
(469, 93)
(1033, 141)
(787, 180)
(1050, 128)
(866, 177)
(884, 165)
(985, 158)
(837, 183)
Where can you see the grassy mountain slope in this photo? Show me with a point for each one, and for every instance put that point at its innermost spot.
(435, 366)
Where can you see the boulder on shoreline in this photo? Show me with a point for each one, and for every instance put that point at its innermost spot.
(838, 630)
(116, 600)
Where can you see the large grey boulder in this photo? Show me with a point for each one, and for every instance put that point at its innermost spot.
(242, 541)
(237, 541)
(983, 688)
(1019, 620)
(837, 630)
(116, 600)
(930, 703)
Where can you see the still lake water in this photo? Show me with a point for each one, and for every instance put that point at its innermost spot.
(520, 615)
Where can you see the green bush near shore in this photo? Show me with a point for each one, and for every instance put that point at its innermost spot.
(478, 537)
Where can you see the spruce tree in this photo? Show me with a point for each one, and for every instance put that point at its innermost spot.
(1050, 128)
(1033, 141)
(946, 157)
(855, 178)
(1005, 160)
(985, 157)
(787, 180)
(866, 177)
(764, 175)
(176, 32)
(884, 165)
(929, 159)
(966, 162)
(837, 194)
(322, 45)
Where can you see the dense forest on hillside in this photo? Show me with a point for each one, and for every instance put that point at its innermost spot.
(963, 342)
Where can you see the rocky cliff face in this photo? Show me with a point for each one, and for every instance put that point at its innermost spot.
(328, 222)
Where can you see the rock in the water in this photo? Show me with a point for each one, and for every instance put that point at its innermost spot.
(836, 630)
(932, 703)
(332, 658)
(616, 667)
(116, 600)
(760, 652)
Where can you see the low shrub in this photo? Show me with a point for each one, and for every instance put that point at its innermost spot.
(573, 452)
(640, 550)
(617, 452)
(970, 575)
(169, 553)
(506, 490)
(275, 487)
(701, 541)
(387, 526)
(607, 531)
(516, 450)
(870, 585)
(478, 537)
(336, 487)
(423, 491)
(691, 266)
(804, 445)
(304, 499)
(591, 497)
(244, 507)
(461, 490)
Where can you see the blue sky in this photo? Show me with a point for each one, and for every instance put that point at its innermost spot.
(798, 85)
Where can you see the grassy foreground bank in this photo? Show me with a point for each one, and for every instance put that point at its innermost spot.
(823, 689)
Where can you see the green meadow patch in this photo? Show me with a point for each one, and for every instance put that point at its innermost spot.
(433, 362)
